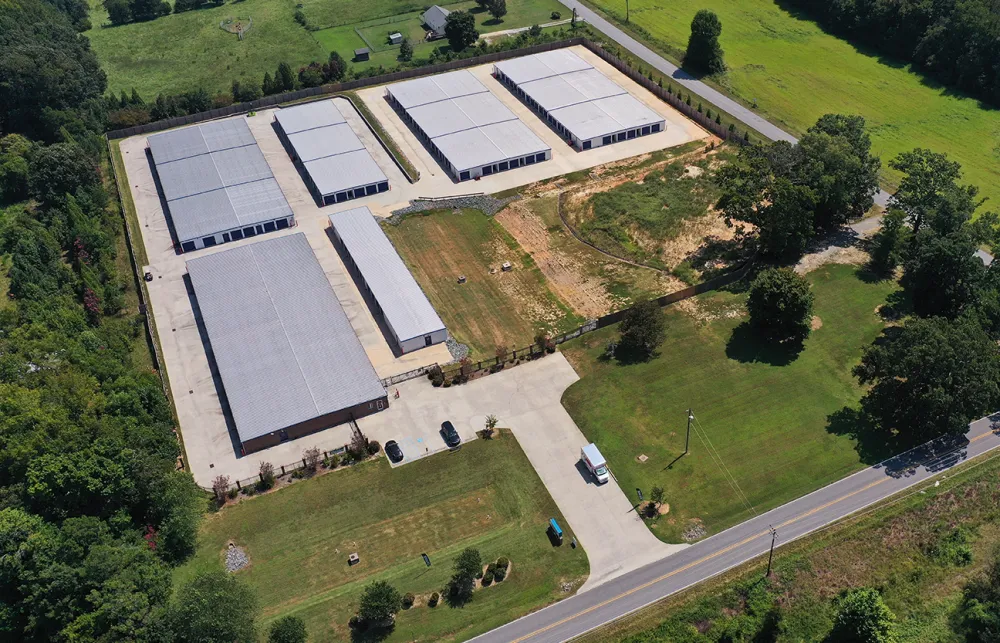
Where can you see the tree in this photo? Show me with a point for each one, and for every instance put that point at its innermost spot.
(468, 566)
(704, 54)
(497, 9)
(656, 495)
(143, 10)
(119, 11)
(941, 273)
(284, 79)
(862, 617)
(312, 458)
(979, 613)
(840, 168)
(58, 170)
(930, 377)
(460, 29)
(287, 629)
(379, 604)
(406, 50)
(336, 68)
(642, 330)
(267, 86)
(888, 243)
(213, 608)
(490, 426)
(220, 487)
(926, 175)
(780, 304)
(266, 475)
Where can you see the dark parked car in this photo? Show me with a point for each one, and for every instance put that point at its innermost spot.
(450, 435)
(393, 451)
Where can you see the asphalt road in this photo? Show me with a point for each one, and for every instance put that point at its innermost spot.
(716, 97)
(615, 599)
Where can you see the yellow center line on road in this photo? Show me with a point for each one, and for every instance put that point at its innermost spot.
(729, 548)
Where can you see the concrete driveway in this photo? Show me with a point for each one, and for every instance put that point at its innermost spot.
(526, 399)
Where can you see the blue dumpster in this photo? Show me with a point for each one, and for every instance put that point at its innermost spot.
(555, 531)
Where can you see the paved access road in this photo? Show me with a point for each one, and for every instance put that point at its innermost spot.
(617, 598)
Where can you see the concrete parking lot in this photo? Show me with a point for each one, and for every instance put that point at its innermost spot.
(526, 399)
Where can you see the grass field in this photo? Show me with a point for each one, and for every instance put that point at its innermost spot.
(768, 421)
(796, 73)
(504, 308)
(920, 588)
(182, 52)
(485, 495)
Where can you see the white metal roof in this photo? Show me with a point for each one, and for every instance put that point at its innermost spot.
(325, 141)
(606, 116)
(489, 144)
(309, 116)
(285, 349)
(550, 63)
(209, 213)
(406, 308)
(514, 139)
(345, 171)
(200, 139)
(431, 89)
(465, 112)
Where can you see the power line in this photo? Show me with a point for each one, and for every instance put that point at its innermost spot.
(717, 457)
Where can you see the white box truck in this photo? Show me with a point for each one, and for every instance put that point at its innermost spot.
(595, 462)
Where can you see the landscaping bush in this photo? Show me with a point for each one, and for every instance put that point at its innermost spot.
(267, 478)
(408, 601)
(491, 568)
(487, 579)
(374, 447)
(503, 563)
(298, 474)
(433, 600)
(556, 15)
(232, 493)
(333, 461)
(499, 574)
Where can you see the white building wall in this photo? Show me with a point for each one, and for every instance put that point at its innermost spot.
(416, 343)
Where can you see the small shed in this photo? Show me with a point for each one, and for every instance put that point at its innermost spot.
(361, 55)
(436, 18)
(395, 38)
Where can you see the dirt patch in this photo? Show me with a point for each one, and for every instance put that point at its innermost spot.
(816, 323)
(844, 254)
(585, 294)
(692, 172)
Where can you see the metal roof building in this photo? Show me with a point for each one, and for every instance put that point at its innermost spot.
(333, 160)
(465, 126)
(577, 100)
(217, 185)
(385, 280)
(287, 355)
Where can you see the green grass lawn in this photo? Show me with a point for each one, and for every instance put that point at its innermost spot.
(486, 495)
(181, 52)
(796, 73)
(504, 308)
(768, 422)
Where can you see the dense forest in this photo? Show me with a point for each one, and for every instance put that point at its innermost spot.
(955, 41)
(93, 511)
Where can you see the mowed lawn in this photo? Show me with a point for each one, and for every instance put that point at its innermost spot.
(768, 422)
(488, 310)
(796, 72)
(185, 51)
(486, 495)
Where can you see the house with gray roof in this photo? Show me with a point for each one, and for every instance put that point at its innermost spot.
(436, 18)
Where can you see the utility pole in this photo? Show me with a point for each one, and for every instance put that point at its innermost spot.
(770, 556)
(687, 440)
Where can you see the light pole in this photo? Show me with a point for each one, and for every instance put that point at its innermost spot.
(687, 440)
(770, 556)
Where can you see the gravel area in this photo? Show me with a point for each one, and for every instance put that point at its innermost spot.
(236, 558)
(484, 202)
(457, 350)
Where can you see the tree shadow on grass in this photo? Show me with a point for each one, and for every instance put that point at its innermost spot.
(872, 445)
(748, 346)
(627, 356)
(897, 305)
(372, 634)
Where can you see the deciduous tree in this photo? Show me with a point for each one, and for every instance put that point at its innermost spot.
(287, 629)
(214, 608)
(642, 330)
(863, 617)
(704, 53)
(460, 29)
(379, 603)
(780, 304)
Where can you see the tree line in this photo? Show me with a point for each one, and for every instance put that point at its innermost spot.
(94, 513)
(955, 41)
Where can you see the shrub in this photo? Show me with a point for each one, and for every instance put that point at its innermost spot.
(267, 478)
(232, 493)
(503, 563)
(491, 568)
(499, 574)
(555, 15)
(300, 18)
(487, 579)
(220, 486)
(312, 458)
(408, 601)
(334, 461)
(433, 600)
(298, 474)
